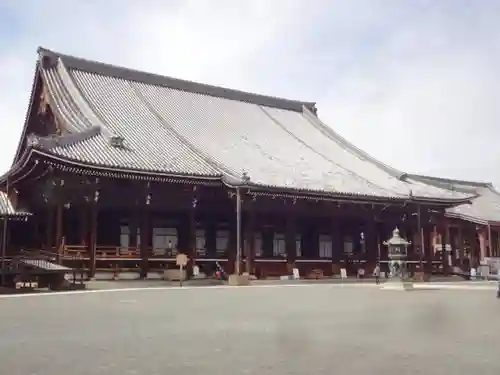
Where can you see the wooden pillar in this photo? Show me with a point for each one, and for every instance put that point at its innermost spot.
(145, 233)
(210, 236)
(290, 240)
(445, 240)
(495, 243)
(250, 240)
(49, 228)
(84, 226)
(371, 244)
(58, 240)
(409, 236)
(132, 228)
(453, 231)
(482, 234)
(232, 244)
(34, 242)
(460, 246)
(337, 237)
(427, 249)
(382, 235)
(337, 241)
(192, 234)
(93, 240)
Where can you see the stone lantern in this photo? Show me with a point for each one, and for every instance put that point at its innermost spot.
(397, 252)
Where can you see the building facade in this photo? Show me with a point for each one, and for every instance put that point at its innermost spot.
(124, 170)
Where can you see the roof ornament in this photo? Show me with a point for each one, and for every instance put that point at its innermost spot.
(117, 141)
(47, 58)
(245, 179)
(32, 140)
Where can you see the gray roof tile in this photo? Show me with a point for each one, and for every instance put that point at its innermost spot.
(484, 209)
(173, 126)
(6, 207)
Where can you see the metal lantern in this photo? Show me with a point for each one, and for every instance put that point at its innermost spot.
(397, 252)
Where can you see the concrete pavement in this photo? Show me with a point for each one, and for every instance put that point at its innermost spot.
(275, 330)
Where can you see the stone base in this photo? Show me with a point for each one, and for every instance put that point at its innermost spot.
(398, 285)
(239, 280)
(174, 275)
(250, 276)
(68, 286)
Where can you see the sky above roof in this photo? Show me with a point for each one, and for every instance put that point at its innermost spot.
(414, 83)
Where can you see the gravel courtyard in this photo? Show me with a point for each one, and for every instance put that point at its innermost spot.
(310, 329)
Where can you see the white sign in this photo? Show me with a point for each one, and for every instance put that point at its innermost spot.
(295, 273)
(493, 263)
(473, 274)
(196, 270)
(343, 273)
(181, 259)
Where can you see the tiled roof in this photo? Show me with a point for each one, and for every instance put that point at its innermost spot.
(484, 208)
(6, 207)
(119, 118)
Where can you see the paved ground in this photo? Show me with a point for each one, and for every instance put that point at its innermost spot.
(154, 283)
(310, 329)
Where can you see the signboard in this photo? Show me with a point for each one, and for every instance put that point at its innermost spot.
(295, 273)
(473, 274)
(196, 271)
(493, 263)
(181, 260)
(343, 273)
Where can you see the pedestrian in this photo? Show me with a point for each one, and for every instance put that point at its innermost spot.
(376, 273)
(498, 283)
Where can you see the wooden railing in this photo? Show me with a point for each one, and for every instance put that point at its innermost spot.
(112, 252)
(103, 252)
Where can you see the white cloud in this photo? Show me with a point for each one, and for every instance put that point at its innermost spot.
(383, 72)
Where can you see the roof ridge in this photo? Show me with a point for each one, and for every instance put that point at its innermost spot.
(70, 109)
(451, 180)
(24, 131)
(106, 69)
(81, 101)
(336, 137)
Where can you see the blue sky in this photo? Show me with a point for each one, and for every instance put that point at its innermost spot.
(415, 83)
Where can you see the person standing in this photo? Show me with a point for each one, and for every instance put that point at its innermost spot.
(498, 283)
(376, 273)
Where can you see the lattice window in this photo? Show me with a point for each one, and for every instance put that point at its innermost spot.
(298, 245)
(348, 245)
(279, 247)
(200, 243)
(258, 245)
(125, 238)
(165, 241)
(325, 246)
(222, 242)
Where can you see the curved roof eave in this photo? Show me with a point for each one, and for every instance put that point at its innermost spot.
(450, 202)
(81, 164)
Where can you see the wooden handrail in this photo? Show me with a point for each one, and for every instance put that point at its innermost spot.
(110, 251)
